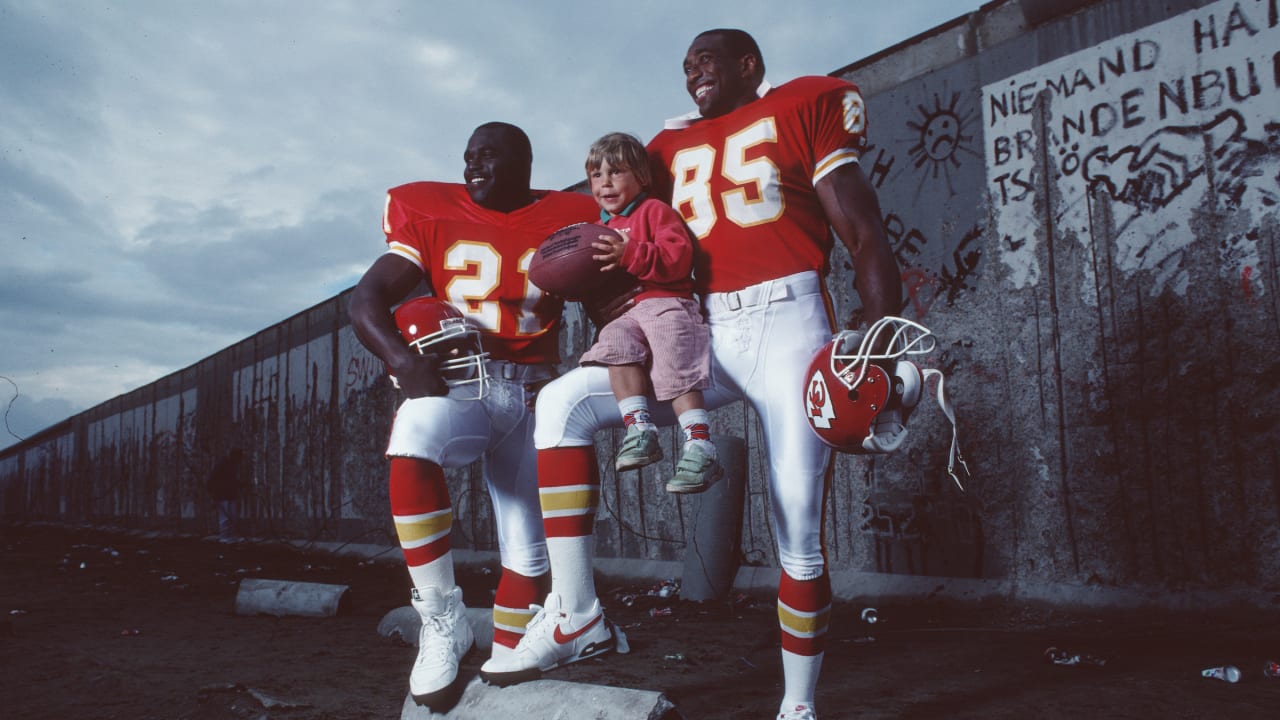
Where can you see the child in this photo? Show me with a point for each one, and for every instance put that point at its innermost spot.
(664, 330)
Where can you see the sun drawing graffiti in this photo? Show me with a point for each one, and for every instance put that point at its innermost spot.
(941, 137)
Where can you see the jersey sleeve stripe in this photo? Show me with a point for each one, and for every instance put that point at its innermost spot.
(407, 252)
(843, 156)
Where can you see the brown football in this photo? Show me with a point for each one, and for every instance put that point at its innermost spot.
(563, 264)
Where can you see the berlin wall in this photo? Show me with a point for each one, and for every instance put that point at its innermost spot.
(1083, 199)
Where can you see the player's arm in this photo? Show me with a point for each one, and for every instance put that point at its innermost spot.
(853, 211)
(383, 285)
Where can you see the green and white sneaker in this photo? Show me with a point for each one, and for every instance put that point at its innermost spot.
(696, 470)
(639, 448)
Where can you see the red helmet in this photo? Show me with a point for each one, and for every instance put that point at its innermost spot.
(858, 402)
(434, 327)
(853, 399)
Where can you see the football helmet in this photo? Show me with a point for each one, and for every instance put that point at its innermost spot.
(434, 327)
(859, 402)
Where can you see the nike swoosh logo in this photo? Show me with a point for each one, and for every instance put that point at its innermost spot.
(561, 638)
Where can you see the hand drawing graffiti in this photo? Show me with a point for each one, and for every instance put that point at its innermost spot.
(1250, 177)
(1241, 175)
(1150, 175)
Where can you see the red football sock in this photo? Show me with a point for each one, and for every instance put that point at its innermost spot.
(511, 611)
(569, 486)
(804, 610)
(423, 516)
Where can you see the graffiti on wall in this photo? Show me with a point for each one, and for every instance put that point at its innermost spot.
(359, 368)
(362, 370)
(919, 532)
(942, 135)
(1160, 124)
(924, 165)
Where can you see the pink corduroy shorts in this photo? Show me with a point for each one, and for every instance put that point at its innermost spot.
(667, 335)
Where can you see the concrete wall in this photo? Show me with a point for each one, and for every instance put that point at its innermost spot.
(1085, 208)
(1083, 198)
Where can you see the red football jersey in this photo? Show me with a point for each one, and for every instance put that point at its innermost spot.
(478, 260)
(744, 181)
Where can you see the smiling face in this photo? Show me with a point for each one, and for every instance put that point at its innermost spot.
(614, 186)
(497, 168)
(718, 79)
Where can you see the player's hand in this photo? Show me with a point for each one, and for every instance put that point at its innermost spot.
(603, 308)
(419, 376)
(611, 249)
(850, 343)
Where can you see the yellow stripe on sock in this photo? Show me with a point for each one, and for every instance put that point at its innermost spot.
(804, 624)
(568, 500)
(412, 529)
(512, 620)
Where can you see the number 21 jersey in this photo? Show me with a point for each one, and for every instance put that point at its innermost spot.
(478, 260)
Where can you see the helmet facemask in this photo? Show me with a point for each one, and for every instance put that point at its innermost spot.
(851, 352)
(456, 346)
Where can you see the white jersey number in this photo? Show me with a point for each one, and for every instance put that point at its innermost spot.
(757, 195)
(855, 116)
(480, 266)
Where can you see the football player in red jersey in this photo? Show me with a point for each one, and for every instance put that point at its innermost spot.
(472, 243)
(759, 174)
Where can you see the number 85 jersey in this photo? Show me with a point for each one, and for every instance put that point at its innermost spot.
(744, 181)
(478, 260)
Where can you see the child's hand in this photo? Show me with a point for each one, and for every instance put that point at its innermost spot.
(611, 249)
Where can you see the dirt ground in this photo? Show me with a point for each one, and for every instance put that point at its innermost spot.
(112, 625)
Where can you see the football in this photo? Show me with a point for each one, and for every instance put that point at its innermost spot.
(563, 264)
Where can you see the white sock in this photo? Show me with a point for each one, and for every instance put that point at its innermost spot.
(571, 570)
(691, 419)
(799, 679)
(437, 574)
(636, 406)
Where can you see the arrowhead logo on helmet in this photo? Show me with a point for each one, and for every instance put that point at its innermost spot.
(818, 400)
(843, 401)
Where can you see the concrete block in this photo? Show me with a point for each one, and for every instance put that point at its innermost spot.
(403, 624)
(482, 627)
(712, 541)
(549, 700)
(258, 596)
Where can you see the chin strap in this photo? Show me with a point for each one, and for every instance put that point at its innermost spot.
(907, 338)
(949, 410)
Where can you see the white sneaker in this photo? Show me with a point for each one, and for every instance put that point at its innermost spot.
(446, 637)
(554, 638)
(799, 712)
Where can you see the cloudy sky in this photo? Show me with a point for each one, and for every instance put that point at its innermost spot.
(176, 176)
